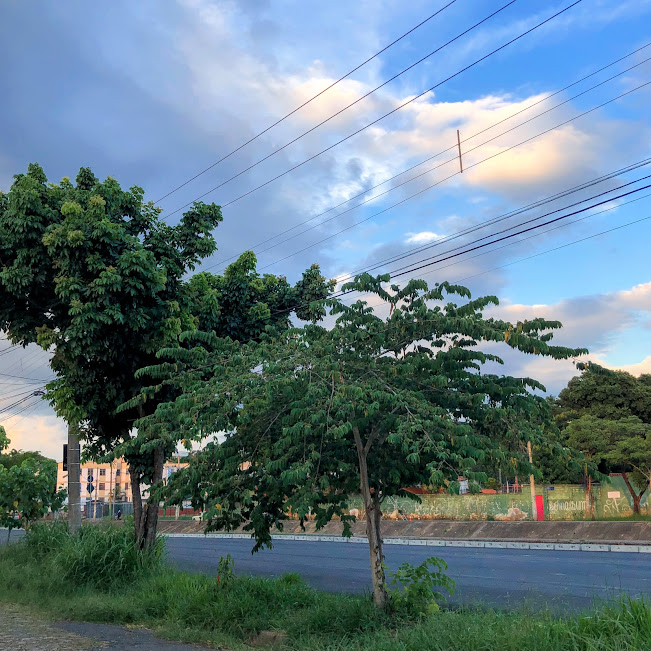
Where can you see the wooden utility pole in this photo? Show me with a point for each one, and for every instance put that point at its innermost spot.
(74, 480)
(459, 145)
(534, 509)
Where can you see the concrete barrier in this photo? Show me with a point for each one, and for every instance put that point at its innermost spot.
(619, 532)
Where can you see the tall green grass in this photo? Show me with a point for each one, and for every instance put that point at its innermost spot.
(97, 576)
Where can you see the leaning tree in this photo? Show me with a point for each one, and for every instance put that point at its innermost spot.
(312, 415)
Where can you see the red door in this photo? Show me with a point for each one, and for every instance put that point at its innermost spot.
(540, 507)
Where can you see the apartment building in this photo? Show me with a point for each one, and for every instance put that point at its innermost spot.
(110, 482)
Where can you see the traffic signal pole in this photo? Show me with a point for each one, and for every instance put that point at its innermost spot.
(74, 480)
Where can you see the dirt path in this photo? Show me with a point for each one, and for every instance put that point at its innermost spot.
(22, 631)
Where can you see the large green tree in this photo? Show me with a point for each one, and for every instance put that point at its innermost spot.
(92, 272)
(607, 415)
(313, 415)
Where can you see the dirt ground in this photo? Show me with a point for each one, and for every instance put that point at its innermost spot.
(22, 631)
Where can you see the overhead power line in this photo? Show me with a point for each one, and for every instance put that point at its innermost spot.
(30, 405)
(519, 225)
(19, 394)
(298, 108)
(549, 230)
(503, 217)
(558, 248)
(30, 379)
(382, 117)
(437, 183)
(18, 402)
(423, 265)
(431, 169)
(535, 255)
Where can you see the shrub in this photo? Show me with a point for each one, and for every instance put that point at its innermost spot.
(419, 594)
(97, 556)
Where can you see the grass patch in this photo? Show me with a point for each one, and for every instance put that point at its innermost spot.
(114, 584)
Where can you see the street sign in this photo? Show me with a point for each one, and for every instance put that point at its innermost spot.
(90, 478)
(550, 488)
(90, 488)
(65, 457)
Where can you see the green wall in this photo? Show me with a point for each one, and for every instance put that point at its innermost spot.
(564, 502)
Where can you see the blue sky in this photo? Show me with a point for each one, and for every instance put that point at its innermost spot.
(151, 93)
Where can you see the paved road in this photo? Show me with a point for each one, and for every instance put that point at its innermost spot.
(496, 577)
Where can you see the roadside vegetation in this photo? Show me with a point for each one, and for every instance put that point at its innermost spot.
(100, 575)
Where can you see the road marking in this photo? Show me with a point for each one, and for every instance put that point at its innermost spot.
(488, 544)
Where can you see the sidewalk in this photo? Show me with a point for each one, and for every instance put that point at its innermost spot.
(22, 631)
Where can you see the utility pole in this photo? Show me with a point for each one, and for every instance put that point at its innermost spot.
(74, 480)
(534, 510)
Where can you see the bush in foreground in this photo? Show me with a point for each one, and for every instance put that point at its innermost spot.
(229, 613)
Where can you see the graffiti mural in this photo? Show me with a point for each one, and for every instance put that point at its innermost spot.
(562, 502)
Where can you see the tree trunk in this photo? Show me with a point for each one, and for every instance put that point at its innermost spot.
(373, 529)
(145, 516)
(634, 495)
(138, 520)
(8, 536)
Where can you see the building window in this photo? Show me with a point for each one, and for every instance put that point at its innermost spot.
(126, 472)
(102, 472)
(117, 472)
(117, 487)
(126, 487)
(102, 486)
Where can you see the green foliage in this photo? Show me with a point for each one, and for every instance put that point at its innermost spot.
(605, 394)
(96, 556)
(492, 483)
(27, 489)
(294, 401)
(416, 588)
(16, 458)
(375, 403)
(44, 538)
(607, 415)
(225, 570)
(193, 608)
(91, 272)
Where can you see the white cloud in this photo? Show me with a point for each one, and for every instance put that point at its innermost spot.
(595, 322)
(44, 433)
(424, 237)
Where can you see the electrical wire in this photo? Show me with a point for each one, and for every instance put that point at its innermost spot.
(351, 291)
(454, 146)
(421, 174)
(433, 185)
(298, 108)
(524, 239)
(18, 402)
(500, 218)
(382, 117)
(533, 219)
(25, 408)
(20, 393)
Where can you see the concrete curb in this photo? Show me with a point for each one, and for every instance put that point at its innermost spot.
(491, 544)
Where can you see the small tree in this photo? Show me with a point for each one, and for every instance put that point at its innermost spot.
(373, 404)
(27, 490)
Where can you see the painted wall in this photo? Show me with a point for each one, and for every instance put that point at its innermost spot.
(564, 502)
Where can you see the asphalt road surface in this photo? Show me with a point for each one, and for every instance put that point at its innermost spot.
(494, 577)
